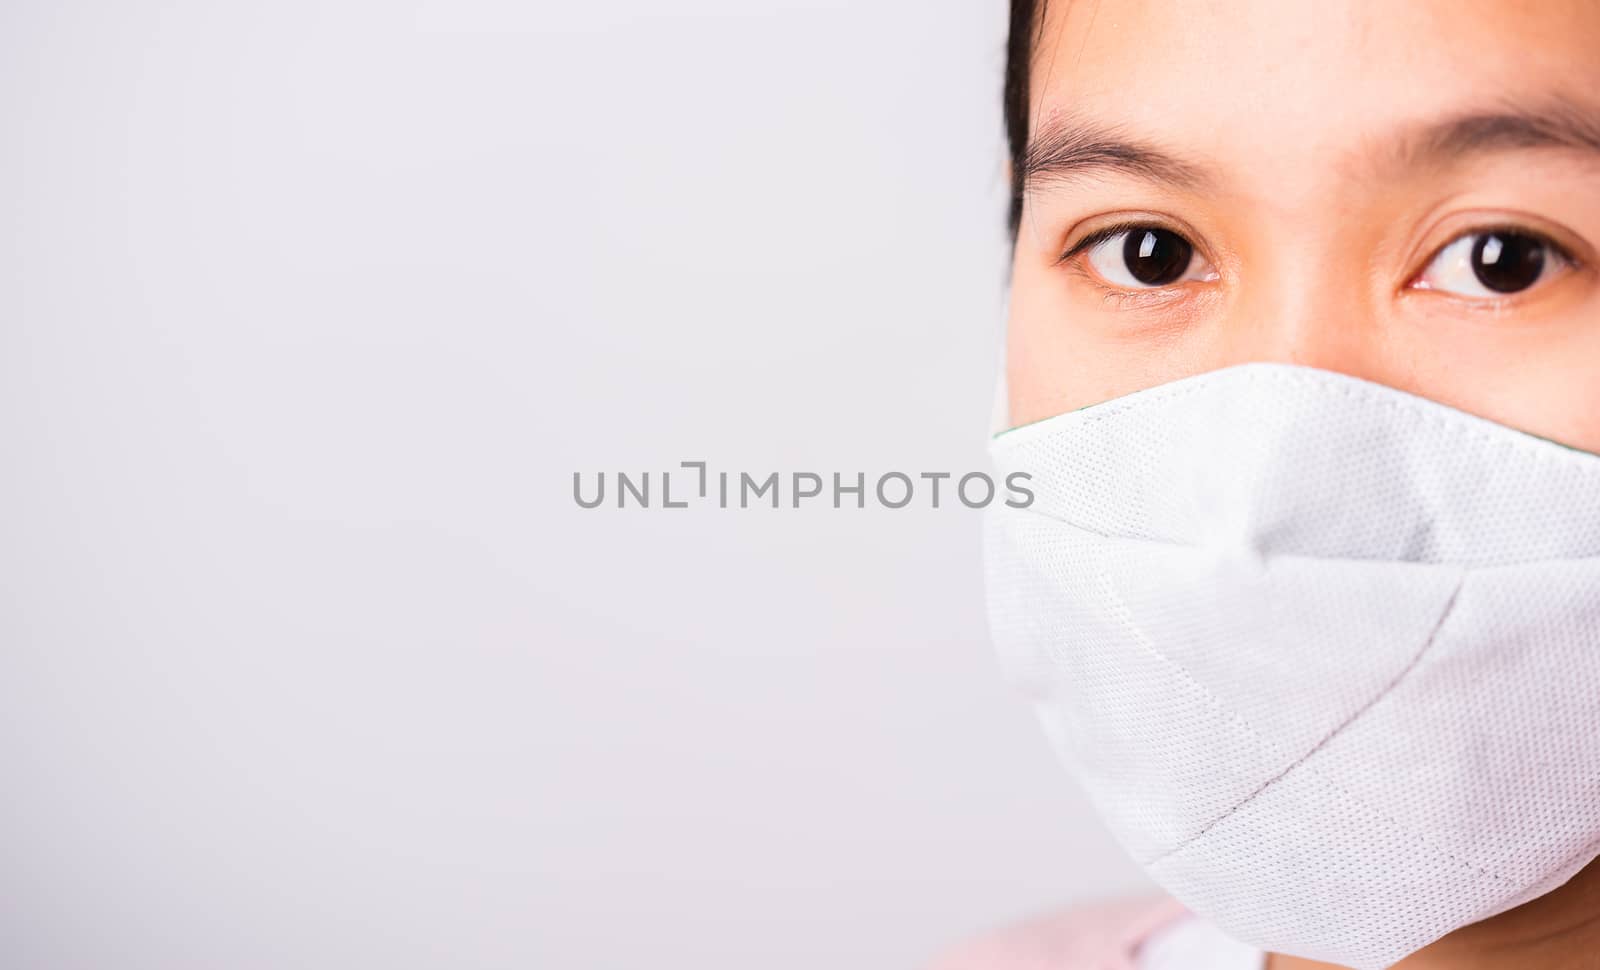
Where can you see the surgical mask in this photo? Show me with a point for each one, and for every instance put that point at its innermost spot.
(1324, 654)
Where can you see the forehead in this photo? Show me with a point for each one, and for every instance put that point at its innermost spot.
(1280, 79)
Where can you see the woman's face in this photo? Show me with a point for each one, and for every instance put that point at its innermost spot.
(1405, 192)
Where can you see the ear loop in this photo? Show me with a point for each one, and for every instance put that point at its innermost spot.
(1036, 115)
(1000, 410)
(1028, 221)
(1000, 406)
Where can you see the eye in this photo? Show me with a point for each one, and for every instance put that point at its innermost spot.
(1144, 257)
(1491, 263)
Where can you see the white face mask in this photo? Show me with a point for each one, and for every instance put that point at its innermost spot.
(1326, 655)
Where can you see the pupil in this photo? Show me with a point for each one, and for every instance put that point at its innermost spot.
(1507, 262)
(1156, 257)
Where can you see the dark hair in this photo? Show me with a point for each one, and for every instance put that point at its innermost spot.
(1026, 16)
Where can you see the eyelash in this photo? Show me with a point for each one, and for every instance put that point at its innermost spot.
(1162, 294)
(1100, 235)
(1151, 298)
(1561, 252)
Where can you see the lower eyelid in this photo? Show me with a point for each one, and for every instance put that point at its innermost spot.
(1157, 296)
(1139, 301)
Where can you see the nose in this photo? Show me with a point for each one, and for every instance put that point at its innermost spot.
(1296, 309)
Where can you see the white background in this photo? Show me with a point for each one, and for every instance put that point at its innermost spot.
(308, 313)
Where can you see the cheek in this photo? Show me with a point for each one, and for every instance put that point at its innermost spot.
(1052, 363)
(1561, 386)
(1066, 350)
(1538, 376)
(1557, 398)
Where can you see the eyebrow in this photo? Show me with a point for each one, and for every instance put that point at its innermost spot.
(1561, 124)
(1068, 147)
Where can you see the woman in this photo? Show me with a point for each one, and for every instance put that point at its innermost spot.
(1304, 359)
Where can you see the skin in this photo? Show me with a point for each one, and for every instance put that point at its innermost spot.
(1558, 931)
(1294, 120)
(1291, 148)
